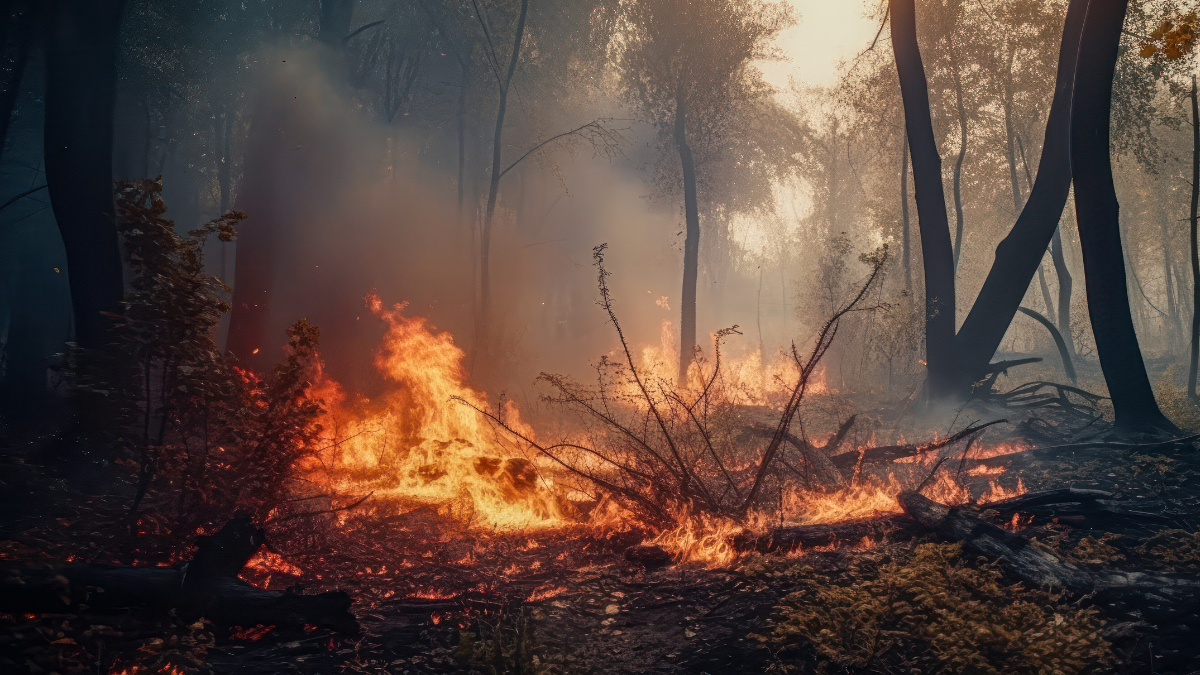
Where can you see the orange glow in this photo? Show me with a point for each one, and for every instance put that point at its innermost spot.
(417, 444)
(997, 492)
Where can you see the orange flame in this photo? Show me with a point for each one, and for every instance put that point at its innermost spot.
(419, 444)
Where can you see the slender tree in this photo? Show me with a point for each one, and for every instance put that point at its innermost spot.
(1097, 212)
(1195, 250)
(686, 68)
(931, 202)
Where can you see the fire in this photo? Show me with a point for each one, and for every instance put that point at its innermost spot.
(420, 445)
(804, 507)
(997, 492)
(702, 540)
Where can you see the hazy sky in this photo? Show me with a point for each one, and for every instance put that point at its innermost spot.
(828, 31)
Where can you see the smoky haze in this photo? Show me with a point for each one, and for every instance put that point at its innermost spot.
(348, 205)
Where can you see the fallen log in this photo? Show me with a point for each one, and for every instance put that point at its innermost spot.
(1060, 496)
(784, 539)
(1015, 553)
(208, 586)
(888, 453)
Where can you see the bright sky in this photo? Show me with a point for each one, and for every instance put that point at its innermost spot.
(829, 31)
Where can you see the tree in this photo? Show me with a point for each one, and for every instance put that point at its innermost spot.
(686, 68)
(1097, 211)
(81, 54)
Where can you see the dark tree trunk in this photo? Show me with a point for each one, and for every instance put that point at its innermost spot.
(1064, 289)
(81, 55)
(17, 32)
(483, 330)
(1195, 346)
(1099, 229)
(904, 229)
(1020, 253)
(691, 242)
(931, 202)
(335, 21)
(958, 164)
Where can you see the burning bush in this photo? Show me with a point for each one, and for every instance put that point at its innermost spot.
(205, 437)
(668, 453)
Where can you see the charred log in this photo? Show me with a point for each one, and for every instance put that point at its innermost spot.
(850, 531)
(207, 587)
(1015, 553)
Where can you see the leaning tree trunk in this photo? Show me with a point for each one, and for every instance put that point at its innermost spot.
(931, 203)
(81, 79)
(1195, 346)
(483, 329)
(1020, 254)
(691, 242)
(1099, 230)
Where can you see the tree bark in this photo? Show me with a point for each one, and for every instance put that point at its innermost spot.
(691, 242)
(81, 57)
(1099, 229)
(1020, 253)
(1195, 346)
(483, 331)
(931, 202)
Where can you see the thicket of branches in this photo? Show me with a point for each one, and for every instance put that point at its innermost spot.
(667, 452)
(201, 436)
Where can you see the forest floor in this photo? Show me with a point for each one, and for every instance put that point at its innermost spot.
(432, 597)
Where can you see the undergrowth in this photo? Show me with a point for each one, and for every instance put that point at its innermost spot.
(932, 613)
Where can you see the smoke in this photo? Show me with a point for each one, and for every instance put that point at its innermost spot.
(339, 205)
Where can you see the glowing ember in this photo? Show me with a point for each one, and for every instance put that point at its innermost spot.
(418, 444)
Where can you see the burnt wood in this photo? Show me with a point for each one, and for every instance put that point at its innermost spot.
(208, 586)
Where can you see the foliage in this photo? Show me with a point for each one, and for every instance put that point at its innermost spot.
(1178, 549)
(935, 612)
(206, 437)
(506, 646)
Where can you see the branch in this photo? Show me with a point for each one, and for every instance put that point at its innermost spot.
(21, 196)
(596, 128)
(361, 29)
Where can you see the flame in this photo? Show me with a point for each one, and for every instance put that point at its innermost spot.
(804, 507)
(702, 540)
(417, 443)
(997, 492)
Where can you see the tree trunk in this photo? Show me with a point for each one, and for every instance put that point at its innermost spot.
(17, 33)
(1020, 253)
(958, 163)
(1195, 346)
(691, 242)
(1173, 327)
(1064, 289)
(1009, 149)
(1099, 229)
(931, 203)
(81, 57)
(904, 235)
(483, 330)
(335, 21)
